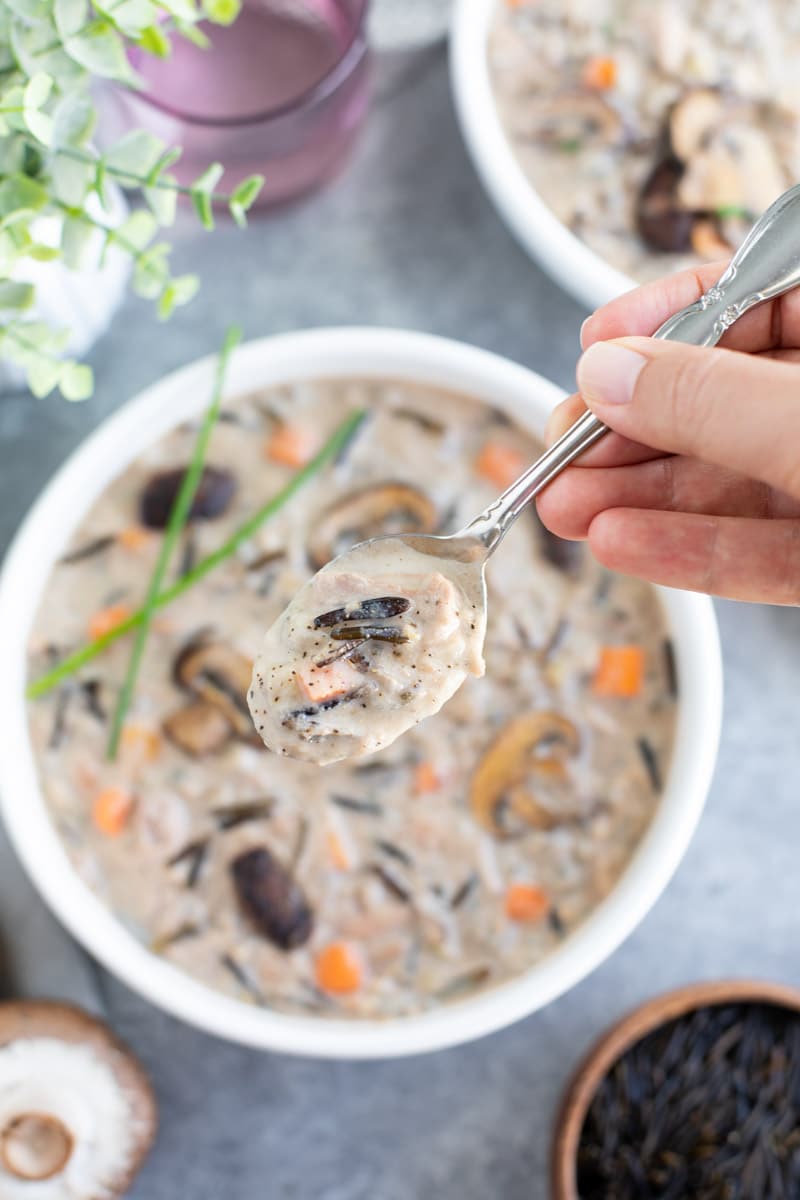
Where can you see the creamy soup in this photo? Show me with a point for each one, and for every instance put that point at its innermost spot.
(450, 861)
(348, 668)
(657, 130)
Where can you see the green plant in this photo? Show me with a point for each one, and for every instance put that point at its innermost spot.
(51, 51)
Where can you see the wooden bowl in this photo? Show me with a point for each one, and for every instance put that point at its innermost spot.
(631, 1029)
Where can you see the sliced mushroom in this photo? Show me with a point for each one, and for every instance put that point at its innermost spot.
(198, 729)
(214, 493)
(370, 511)
(660, 220)
(707, 241)
(534, 746)
(738, 170)
(221, 676)
(271, 898)
(572, 118)
(693, 121)
(89, 1091)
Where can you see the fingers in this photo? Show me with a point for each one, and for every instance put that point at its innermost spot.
(642, 310)
(672, 484)
(612, 451)
(734, 557)
(739, 411)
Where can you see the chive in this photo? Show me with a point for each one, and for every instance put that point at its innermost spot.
(733, 211)
(66, 668)
(570, 145)
(178, 517)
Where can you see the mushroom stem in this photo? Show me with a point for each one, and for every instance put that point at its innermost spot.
(35, 1146)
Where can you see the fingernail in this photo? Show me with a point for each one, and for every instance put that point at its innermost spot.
(607, 373)
(583, 330)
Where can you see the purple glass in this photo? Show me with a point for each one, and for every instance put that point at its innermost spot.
(282, 92)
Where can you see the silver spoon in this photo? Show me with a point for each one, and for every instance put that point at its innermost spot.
(766, 265)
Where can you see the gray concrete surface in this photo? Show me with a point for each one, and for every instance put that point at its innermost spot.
(406, 237)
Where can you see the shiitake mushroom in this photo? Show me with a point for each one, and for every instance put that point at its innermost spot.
(50, 1132)
(199, 728)
(214, 493)
(532, 748)
(660, 221)
(380, 508)
(271, 897)
(218, 674)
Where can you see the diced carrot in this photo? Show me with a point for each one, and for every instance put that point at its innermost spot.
(107, 619)
(337, 852)
(111, 811)
(141, 742)
(500, 464)
(134, 538)
(620, 671)
(319, 684)
(292, 445)
(600, 73)
(338, 968)
(526, 902)
(426, 779)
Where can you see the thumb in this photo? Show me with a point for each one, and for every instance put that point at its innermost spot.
(739, 411)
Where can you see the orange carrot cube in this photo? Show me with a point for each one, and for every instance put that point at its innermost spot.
(620, 671)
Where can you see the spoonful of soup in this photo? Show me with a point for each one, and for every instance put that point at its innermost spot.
(382, 636)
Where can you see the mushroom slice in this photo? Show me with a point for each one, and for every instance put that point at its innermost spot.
(572, 118)
(221, 676)
(739, 169)
(76, 1110)
(369, 512)
(693, 120)
(198, 729)
(532, 746)
(708, 242)
(660, 220)
(214, 493)
(270, 896)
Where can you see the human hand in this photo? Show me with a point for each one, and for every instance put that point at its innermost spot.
(698, 486)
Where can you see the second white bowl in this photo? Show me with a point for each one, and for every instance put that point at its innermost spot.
(581, 272)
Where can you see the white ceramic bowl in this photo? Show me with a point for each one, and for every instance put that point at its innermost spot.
(327, 353)
(571, 263)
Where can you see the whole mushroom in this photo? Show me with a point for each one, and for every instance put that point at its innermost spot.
(77, 1113)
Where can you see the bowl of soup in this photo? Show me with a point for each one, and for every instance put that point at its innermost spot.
(624, 141)
(404, 901)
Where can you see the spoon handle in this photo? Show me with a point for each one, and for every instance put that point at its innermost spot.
(766, 265)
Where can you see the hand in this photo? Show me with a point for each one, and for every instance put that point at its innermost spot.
(699, 485)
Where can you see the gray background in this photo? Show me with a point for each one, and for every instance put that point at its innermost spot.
(406, 237)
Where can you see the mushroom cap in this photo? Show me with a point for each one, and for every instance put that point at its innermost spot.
(77, 1112)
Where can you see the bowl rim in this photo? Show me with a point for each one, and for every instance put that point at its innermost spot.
(328, 353)
(625, 1033)
(577, 268)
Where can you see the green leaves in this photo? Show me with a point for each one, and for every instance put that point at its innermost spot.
(70, 17)
(75, 381)
(202, 191)
(153, 40)
(15, 295)
(51, 51)
(180, 290)
(101, 50)
(222, 12)
(35, 347)
(243, 197)
(20, 192)
(74, 119)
